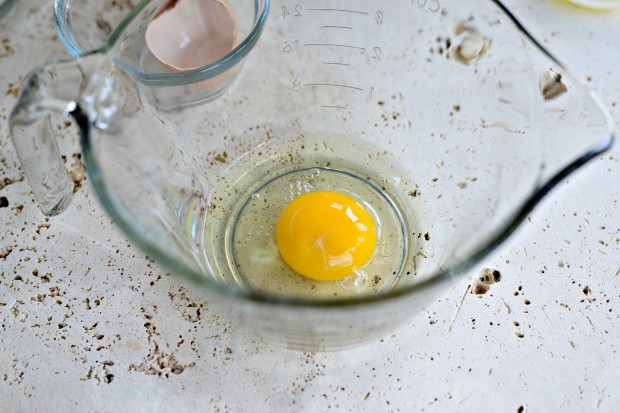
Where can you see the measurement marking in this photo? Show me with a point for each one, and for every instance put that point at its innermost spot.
(337, 27)
(336, 63)
(335, 45)
(340, 10)
(333, 85)
(334, 107)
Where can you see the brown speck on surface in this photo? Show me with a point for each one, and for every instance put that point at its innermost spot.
(150, 329)
(497, 276)
(77, 172)
(103, 26)
(13, 90)
(10, 181)
(41, 226)
(5, 252)
(158, 363)
(551, 85)
(6, 49)
(480, 289)
(55, 292)
(470, 47)
(222, 157)
(485, 279)
(89, 374)
(100, 372)
(4, 202)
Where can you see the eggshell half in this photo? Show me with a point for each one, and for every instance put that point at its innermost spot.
(189, 34)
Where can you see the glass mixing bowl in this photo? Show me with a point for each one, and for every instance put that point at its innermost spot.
(445, 120)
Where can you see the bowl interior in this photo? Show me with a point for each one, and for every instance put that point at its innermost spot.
(452, 116)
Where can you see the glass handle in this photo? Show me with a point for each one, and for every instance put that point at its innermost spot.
(47, 90)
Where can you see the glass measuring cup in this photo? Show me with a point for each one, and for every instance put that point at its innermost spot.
(83, 25)
(444, 119)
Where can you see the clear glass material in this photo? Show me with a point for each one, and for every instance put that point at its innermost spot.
(5, 7)
(446, 119)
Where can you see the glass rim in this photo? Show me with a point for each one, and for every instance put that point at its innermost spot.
(123, 220)
(5, 7)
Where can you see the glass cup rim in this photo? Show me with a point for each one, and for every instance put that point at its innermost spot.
(5, 7)
(123, 219)
(232, 58)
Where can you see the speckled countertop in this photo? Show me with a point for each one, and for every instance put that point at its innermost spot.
(88, 324)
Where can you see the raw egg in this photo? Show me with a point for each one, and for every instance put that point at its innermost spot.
(326, 235)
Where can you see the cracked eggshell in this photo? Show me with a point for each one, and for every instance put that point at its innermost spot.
(189, 34)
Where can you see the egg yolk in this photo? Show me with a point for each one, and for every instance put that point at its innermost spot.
(325, 235)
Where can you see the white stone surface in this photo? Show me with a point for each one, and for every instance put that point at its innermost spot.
(88, 324)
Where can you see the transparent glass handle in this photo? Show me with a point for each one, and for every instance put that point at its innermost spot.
(49, 89)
